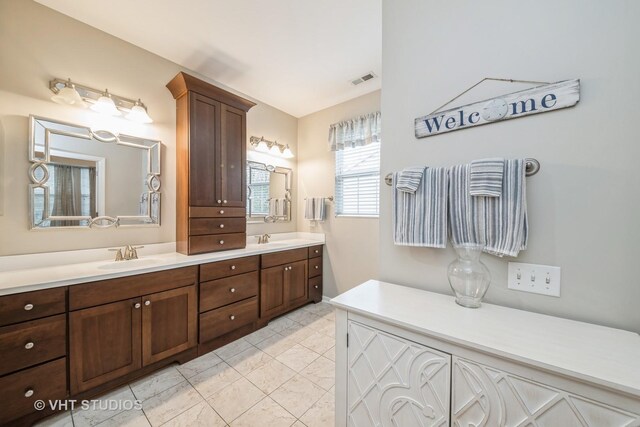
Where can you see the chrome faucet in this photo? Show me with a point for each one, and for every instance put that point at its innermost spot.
(264, 238)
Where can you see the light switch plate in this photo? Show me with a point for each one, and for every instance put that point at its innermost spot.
(538, 279)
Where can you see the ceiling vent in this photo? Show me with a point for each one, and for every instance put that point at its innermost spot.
(363, 79)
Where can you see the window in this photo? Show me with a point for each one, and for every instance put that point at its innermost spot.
(258, 194)
(358, 180)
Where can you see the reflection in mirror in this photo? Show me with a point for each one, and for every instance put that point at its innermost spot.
(82, 178)
(268, 193)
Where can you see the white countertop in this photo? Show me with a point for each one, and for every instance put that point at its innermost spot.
(597, 354)
(22, 273)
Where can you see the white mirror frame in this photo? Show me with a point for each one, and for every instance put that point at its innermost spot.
(103, 136)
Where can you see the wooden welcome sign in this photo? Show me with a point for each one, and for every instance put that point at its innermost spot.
(539, 99)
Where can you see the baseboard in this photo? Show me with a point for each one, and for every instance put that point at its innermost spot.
(325, 298)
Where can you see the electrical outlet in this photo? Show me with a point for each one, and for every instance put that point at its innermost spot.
(538, 279)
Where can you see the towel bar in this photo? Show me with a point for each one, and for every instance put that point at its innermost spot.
(532, 166)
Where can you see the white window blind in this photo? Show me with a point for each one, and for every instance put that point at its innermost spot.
(358, 180)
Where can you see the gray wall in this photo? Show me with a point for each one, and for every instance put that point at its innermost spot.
(584, 205)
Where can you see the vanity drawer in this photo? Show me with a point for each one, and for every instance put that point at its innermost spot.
(315, 288)
(219, 212)
(199, 226)
(29, 343)
(123, 288)
(315, 251)
(218, 293)
(32, 305)
(315, 267)
(284, 257)
(216, 242)
(218, 322)
(220, 269)
(19, 391)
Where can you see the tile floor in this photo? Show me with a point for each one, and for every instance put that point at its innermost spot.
(280, 375)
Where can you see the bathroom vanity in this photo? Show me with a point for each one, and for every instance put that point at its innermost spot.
(408, 357)
(76, 331)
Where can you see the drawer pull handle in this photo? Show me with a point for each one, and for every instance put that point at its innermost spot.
(317, 267)
(221, 212)
(233, 267)
(224, 201)
(222, 242)
(29, 345)
(316, 251)
(232, 317)
(232, 290)
(221, 225)
(28, 307)
(136, 305)
(316, 286)
(219, 201)
(28, 393)
(147, 302)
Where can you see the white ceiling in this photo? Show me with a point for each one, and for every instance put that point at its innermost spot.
(296, 55)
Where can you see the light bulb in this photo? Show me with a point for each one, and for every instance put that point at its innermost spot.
(139, 114)
(287, 154)
(105, 105)
(68, 95)
(262, 147)
(275, 150)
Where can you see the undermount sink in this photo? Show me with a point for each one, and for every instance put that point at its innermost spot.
(134, 263)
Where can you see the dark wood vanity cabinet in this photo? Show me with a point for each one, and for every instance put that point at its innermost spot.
(119, 326)
(211, 156)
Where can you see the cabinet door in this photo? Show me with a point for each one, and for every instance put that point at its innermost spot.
(204, 132)
(233, 151)
(104, 343)
(169, 323)
(273, 299)
(485, 396)
(296, 283)
(395, 382)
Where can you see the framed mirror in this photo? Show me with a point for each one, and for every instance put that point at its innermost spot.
(268, 193)
(82, 178)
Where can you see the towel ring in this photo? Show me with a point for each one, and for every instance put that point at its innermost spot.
(532, 167)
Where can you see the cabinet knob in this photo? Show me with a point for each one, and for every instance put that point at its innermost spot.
(290, 267)
(317, 267)
(233, 267)
(136, 305)
(316, 286)
(29, 345)
(316, 251)
(232, 290)
(222, 242)
(219, 201)
(221, 225)
(221, 211)
(28, 307)
(232, 317)
(28, 393)
(224, 201)
(147, 302)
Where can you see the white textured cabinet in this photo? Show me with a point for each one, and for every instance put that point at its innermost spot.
(411, 358)
(395, 382)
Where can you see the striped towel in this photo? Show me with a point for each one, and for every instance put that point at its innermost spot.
(486, 177)
(498, 223)
(409, 179)
(420, 219)
(314, 209)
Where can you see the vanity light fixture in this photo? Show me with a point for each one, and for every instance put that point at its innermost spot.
(68, 93)
(270, 147)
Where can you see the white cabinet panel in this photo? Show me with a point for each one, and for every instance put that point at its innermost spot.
(394, 382)
(484, 396)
